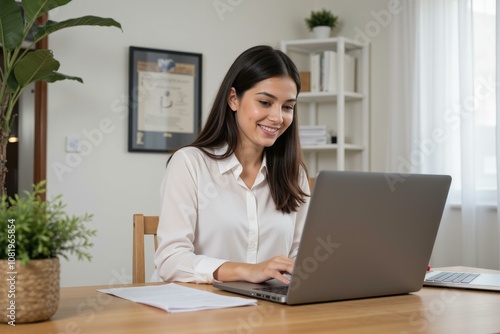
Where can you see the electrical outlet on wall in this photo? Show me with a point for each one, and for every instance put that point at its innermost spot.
(73, 144)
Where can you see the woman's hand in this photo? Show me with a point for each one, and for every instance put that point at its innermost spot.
(256, 273)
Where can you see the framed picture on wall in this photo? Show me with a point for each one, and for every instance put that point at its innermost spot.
(164, 99)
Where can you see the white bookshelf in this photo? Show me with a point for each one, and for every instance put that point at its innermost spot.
(347, 111)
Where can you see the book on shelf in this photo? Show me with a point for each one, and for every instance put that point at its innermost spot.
(315, 78)
(324, 72)
(305, 81)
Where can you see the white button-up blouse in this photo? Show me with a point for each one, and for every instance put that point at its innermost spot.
(209, 216)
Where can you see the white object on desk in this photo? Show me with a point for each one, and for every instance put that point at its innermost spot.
(176, 298)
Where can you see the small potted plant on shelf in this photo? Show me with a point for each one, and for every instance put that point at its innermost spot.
(33, 233)
(321, 23)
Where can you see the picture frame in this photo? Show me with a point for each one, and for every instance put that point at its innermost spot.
(164, 99)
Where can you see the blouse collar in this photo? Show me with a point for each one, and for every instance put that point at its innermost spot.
(232, 163)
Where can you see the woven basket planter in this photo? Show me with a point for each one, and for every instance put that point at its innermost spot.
(34, 288)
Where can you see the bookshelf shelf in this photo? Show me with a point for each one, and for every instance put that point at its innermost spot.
(322, 97)
(347, 103)
(332, 147)
(319, 45)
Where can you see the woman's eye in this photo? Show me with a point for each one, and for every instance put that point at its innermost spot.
(265, 103)
(289, 108)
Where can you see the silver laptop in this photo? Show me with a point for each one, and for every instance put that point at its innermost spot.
(463, 280)
(366, 235)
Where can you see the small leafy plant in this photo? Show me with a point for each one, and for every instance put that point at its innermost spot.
(322, 17)
(31, 228)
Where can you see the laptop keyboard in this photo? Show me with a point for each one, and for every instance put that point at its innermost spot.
(452, 277)
(281, 290)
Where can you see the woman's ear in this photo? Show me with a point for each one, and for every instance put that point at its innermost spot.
(232, 99)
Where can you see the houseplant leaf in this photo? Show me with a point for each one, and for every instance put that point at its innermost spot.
(11, 24)
(35, 66)
(56, 76)
(89, 20)
(33, 9)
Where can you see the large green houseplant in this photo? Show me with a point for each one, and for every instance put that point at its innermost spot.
(33, 232)
(21, 64)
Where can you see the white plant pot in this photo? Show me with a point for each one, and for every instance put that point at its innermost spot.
(322, 31)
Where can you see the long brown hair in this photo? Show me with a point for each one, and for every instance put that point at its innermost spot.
(284, 158)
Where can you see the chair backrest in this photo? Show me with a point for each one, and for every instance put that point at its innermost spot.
(311, 183)
(143, 225)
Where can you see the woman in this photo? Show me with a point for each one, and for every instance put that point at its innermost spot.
(234, 202)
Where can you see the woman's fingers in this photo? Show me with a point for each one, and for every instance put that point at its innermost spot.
(273, 268)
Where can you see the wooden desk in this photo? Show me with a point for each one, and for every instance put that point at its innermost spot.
(431, 310)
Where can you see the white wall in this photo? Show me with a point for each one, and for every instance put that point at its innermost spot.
(112, 183)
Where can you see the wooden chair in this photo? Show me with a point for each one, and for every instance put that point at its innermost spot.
(143, 225)
(311, 183)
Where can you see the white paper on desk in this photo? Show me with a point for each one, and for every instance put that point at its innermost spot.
(176, 298)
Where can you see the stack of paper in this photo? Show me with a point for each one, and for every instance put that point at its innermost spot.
(311, 135)
(176, 298)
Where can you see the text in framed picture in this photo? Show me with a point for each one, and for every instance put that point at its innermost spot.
(165, 99)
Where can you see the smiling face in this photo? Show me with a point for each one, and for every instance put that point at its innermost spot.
(264, 111)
